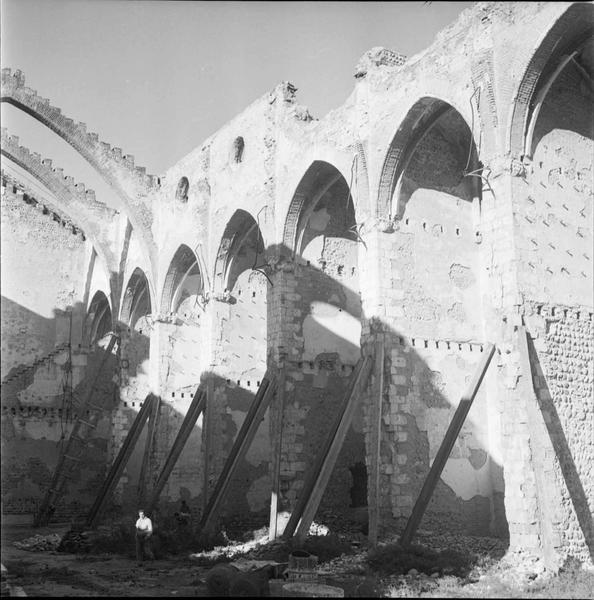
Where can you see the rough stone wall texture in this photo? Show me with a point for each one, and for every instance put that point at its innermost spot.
(468, 213)
(562, 359)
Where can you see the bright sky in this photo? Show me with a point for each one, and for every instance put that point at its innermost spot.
(156, 78)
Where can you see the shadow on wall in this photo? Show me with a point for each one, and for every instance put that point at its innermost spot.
(310, 408)
(470, 495)
(40, 406)
(563, 453)
(571, 88)
(30, 443)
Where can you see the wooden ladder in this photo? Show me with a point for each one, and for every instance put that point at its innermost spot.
(446, 447)
(148, 409)
(319, 475)
(74, 450)
(241, 445)
(196, 408)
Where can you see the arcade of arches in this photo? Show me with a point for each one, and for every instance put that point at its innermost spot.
(447, 204)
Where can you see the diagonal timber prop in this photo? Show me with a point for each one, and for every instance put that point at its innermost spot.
(240, 447)
(446, 447)
(196, 407)
(115, 472)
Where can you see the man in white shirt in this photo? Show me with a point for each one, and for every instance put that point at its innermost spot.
(144, 531)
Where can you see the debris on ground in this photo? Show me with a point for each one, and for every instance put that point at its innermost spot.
(39, 543)
(75, 542)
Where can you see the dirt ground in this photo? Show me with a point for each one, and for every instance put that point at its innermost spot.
(51, 573)
(492, 573)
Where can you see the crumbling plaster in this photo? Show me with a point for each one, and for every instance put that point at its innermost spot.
(440, 267)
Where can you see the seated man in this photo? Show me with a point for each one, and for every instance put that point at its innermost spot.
(144, 531)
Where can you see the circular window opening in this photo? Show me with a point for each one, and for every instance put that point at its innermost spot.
(182, 190)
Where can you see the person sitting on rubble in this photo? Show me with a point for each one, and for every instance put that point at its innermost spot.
(144, 531)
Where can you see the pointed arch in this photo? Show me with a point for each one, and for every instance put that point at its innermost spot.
(98, 321)
(321, 184)
(131, 183)
(184, 277)
(136, 301)
(427, 113)
(241, 247)
(562, 43)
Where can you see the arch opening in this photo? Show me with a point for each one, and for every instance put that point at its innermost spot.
(241, 249)
(552, 131)
(565, 47)
(434, 192)
(99, 318)
(183, 187)
(136, 302)
(433, 148)
(183, 284)
(321, 236)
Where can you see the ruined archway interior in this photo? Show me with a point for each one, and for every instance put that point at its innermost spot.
(134, 383)
(402, 227)
(437, 306)
(240, 355)
(327, 319)
(99, 322)
(554, 233)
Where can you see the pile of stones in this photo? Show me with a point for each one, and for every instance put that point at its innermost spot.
(75, 542)
(39, 543)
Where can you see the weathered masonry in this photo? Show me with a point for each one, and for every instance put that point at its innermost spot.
(445, 204)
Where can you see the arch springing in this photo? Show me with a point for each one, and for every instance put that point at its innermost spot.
(98, 321)
(136, 302)
(183, 280)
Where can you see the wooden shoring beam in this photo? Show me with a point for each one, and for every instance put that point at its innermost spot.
(115, 472)
(375, 445)
(196, 407)
(446, 447)
(276, 455)
(148, 449)
(313, 502)
(241, 445)
(207, 438)
(314, 471)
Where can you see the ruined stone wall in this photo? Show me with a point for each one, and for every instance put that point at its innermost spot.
(465, 219)
(41, 283)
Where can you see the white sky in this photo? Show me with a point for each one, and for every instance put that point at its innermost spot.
(156, 78)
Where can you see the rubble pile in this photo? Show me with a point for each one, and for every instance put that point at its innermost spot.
(39, 543)
(75, 542)
(468, 544)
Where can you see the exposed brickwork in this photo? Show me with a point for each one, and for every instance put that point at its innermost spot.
(445, 205)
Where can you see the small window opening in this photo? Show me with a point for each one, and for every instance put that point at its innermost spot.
(238, 146)
(183, 188)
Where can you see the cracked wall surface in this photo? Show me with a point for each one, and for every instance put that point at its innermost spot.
(446, 204)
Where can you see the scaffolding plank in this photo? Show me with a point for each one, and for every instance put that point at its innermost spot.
(314, 499)
(446, 447)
